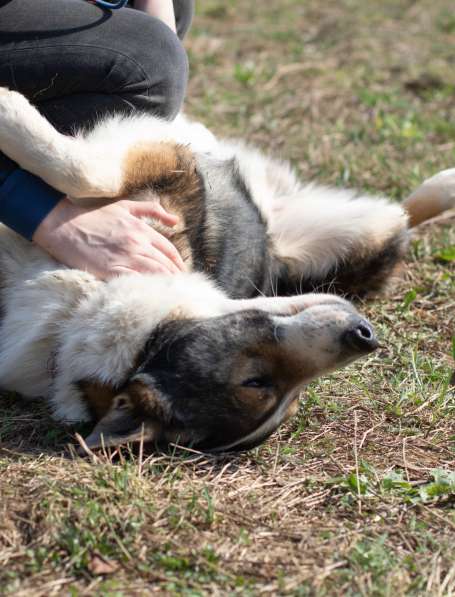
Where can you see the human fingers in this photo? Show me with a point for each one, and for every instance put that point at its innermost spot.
(152, 209)
(153, 253)
(164, 246)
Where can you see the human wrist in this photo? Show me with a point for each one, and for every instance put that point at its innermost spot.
(63, 211)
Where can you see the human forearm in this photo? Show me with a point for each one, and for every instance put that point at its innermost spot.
(161, 9)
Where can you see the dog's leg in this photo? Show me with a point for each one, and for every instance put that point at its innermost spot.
(434, 196)
(85, 170)
(67, 163)
(333, 240)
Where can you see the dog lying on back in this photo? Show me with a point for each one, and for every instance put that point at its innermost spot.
(215, 358)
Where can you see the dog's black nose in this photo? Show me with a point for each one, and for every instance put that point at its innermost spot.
(361, 337)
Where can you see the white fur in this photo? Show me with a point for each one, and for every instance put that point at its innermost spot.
(96, 328)
(319, 227)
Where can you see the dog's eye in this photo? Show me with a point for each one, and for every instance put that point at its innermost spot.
(257, 382)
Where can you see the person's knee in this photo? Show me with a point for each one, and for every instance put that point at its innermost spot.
(165, 65)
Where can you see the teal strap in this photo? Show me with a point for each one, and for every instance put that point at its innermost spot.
(111, 5)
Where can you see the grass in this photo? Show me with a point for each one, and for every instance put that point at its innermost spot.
(355, 496)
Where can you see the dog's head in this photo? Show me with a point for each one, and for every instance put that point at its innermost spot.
(227, 382)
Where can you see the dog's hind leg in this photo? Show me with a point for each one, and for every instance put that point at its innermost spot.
(434, 196)
(335, 240)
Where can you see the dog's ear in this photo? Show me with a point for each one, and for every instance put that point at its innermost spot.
(125, 422)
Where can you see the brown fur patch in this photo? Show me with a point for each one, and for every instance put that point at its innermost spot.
(177, 313)
(287, 369)
(286, 372)
(98, 397)
(167, 168)
(144, 401)
(169, 171)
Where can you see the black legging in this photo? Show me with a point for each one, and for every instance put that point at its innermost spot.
(76, 62)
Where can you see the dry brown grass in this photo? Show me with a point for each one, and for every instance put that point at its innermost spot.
(355, 496)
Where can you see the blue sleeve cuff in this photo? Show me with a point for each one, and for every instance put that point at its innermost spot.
(7, 166)
(25, 201)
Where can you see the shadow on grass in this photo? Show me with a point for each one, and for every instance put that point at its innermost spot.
(26, 427)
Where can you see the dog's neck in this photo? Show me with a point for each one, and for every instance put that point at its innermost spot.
(222, 232)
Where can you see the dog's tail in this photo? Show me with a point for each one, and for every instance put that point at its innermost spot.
(434, 196)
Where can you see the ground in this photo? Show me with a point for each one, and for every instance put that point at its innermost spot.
(355, 496)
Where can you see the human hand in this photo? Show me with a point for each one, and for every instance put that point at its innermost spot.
(110, 240)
